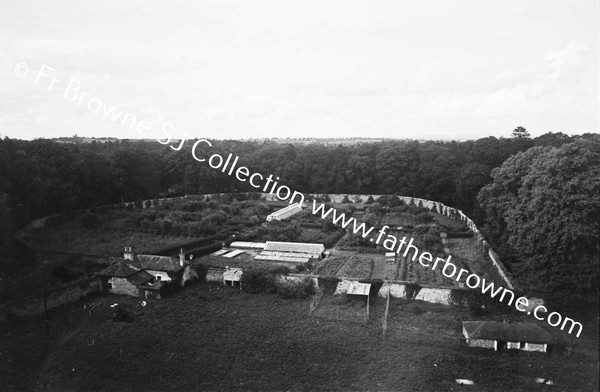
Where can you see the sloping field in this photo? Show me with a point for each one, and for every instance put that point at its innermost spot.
(210, 338)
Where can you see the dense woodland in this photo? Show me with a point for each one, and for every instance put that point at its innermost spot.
(536, 199)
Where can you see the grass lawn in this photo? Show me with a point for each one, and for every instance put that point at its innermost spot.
(210, 338)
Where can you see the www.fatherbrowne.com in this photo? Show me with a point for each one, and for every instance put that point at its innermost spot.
(390, 242)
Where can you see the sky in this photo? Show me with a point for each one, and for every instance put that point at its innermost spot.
(433, 69)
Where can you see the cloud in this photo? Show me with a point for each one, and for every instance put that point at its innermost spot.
(535, 89)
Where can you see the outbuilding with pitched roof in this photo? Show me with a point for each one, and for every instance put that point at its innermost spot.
(503, 335)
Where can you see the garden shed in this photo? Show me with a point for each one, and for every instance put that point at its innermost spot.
(360, 290)
(503, 335)
(232, 277)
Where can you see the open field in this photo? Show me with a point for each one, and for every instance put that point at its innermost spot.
(210, 338)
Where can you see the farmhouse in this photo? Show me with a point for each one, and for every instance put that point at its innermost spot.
(498, 335)
(145, 276)
(284, 213)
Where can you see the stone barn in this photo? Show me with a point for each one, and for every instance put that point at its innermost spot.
(502, 335)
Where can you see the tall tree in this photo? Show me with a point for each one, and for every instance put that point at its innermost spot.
(546, 202)
(520, 133)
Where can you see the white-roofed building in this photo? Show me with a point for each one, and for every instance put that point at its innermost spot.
(295, 247)
(284, 213)
(290, 252)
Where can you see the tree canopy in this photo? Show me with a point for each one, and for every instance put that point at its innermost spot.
(543, 203)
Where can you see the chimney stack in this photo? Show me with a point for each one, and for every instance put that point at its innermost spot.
(128, 253)
(181, 257)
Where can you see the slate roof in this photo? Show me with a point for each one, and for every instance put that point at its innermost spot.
(513, 332)
(158, 263)
(140, 277)
(140, 263)
(118, 270)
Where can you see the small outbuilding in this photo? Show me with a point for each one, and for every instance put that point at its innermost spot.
(503, 335)
(232, 277)
(285, 213)
(358, 290)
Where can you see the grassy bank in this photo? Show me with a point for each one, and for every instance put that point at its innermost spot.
(210, 338)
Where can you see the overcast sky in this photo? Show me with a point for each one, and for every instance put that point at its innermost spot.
(434, 69)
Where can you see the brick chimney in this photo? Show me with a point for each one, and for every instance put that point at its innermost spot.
(128, 253)
(181, 257)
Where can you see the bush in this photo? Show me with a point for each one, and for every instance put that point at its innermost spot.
(123, 314)
(423, 217)
(67, 273)
(258, 280)
(90, 219)
(395, 201)
(431, 241)
(303, 289)
(415, 308)
(193, 206)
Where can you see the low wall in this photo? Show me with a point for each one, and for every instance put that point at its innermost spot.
(428, 294)
(35, 306)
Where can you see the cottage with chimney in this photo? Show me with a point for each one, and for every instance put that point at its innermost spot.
(146, 276)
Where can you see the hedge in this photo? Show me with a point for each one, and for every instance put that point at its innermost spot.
(204, 250)
(169, 250)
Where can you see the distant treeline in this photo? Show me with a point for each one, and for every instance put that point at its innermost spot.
(42, 177)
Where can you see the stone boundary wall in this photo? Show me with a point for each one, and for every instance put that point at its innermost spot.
(502, 271)
(335, 198)
(35, 306)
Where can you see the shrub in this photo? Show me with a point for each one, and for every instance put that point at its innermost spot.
(193, 206)
(67, 273)
(123, 314)
(258, 280)
(430, 240)
(302, 289)
(423, 217)
(415, 309)
(90, 219)
(395, 201)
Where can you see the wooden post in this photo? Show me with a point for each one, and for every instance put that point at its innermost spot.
(385, 314)
(368, 297)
